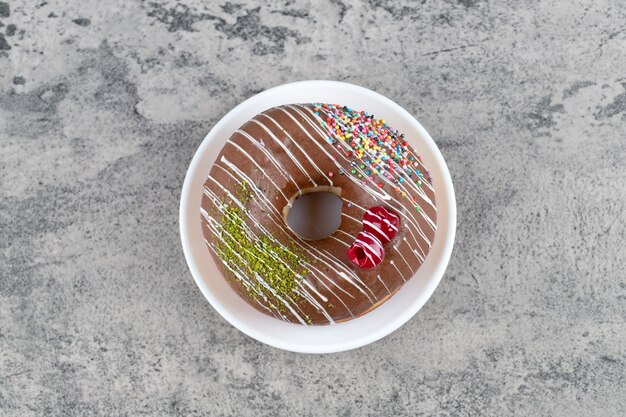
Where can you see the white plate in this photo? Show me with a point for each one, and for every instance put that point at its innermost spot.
(317, 339)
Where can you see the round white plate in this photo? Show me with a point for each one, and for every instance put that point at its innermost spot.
(317, 339)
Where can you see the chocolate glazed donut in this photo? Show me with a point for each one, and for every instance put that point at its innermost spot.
(388, 217)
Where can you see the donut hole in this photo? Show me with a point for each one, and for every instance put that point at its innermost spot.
(316, 214)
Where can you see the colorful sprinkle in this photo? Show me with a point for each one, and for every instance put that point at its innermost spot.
(376, 152)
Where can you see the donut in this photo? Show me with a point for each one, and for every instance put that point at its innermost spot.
(386, 216)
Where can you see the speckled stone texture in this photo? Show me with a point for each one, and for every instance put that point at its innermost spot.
(103, 103)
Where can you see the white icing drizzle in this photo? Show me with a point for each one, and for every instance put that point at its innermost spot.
(374, 226)
(372, 250)
(399, 252)
(285, 149)
(275, 294)
(385, 220)
(399, 273)
(351, 218)
(347, 278)
(383, 282)
(339, 240)
(258, 166)
(269, 156)
(306, 155)
(332, 282)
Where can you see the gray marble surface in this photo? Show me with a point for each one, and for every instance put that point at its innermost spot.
(103, 103)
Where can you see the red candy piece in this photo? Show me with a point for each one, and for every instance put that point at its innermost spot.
(382, 223)
(367, 251)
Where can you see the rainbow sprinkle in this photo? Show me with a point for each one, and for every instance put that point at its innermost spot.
(379, 149)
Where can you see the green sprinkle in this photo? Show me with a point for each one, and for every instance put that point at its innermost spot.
(353, 171)
(281, 268)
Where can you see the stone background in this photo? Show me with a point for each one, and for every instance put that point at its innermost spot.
(103, 103)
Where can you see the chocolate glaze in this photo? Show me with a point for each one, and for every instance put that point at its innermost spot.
(336, 290)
